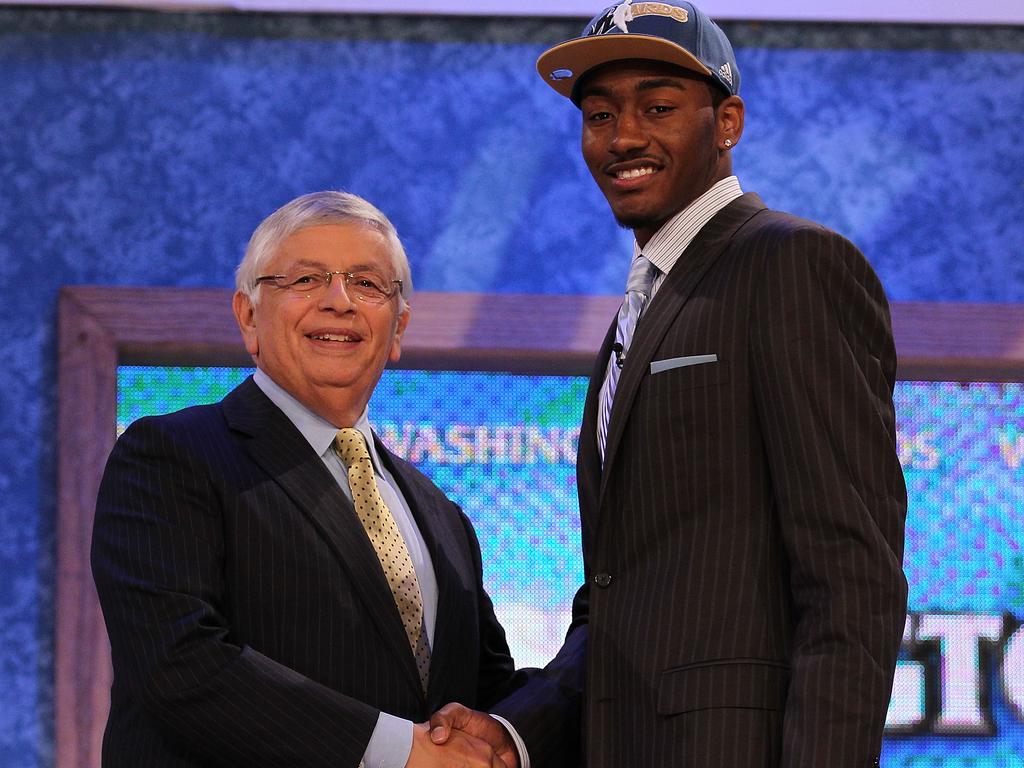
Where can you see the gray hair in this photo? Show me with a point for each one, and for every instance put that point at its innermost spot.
(315, 209)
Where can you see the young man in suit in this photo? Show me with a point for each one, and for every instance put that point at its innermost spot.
(741, 499)
(280, 589)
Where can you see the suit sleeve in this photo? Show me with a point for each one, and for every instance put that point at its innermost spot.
(157, 559)
(547, 710)
(824, 369)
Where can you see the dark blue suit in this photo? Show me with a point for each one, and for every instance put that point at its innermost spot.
(249, 619)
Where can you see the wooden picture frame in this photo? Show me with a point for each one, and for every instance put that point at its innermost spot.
(103, 327)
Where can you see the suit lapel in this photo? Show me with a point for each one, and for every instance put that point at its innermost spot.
(439, 541)
(280, 449)
(660, 314)
(588, 461)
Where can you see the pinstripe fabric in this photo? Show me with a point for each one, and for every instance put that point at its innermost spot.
(745, 598)
(249, 619)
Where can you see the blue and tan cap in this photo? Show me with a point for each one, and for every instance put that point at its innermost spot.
(677, 33)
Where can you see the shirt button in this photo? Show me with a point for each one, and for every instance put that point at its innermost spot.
(603, 579)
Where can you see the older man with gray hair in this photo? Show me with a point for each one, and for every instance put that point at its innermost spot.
(278, 587)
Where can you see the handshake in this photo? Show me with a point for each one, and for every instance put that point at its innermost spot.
(459, 737)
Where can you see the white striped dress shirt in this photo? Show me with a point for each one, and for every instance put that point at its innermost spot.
(664, 249)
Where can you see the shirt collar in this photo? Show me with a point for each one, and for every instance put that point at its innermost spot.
(664, 249)
(319, 432)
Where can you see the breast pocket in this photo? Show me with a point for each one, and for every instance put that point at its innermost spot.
(690, 372)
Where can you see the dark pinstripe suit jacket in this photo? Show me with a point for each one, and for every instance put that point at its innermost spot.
(744, 599)
(249, 619)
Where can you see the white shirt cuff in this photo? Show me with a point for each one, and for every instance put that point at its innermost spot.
(524, 756)
(390, 743)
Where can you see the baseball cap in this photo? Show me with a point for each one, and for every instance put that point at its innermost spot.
(677, 33)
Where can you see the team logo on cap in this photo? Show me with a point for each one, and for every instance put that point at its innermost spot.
(620, 16)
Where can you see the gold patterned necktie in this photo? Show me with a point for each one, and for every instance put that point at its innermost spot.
(387, 543)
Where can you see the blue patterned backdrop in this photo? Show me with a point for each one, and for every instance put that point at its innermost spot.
(142, 149)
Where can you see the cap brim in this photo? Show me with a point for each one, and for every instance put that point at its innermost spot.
(563, 65)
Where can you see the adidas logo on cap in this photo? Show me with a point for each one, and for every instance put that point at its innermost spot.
(726, 72)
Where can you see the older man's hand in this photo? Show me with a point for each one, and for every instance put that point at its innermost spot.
(454, 719)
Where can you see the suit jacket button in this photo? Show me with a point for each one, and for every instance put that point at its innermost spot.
(603, 580)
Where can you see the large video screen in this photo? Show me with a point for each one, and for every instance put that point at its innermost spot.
(503, 447)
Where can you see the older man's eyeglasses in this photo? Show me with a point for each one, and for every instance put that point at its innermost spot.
(368, 287)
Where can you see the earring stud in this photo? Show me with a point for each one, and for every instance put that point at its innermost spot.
(728, 143)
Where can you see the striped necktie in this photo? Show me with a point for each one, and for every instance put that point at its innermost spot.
(387, 542)
(638, 291)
